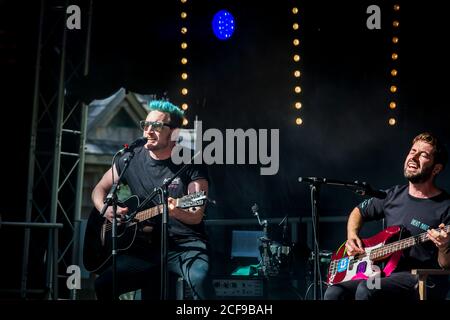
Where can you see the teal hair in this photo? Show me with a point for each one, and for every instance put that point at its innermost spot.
(176, 114)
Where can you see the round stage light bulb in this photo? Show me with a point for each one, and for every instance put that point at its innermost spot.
(183, 15)
(184, 60)
(295, 26)
(184, 76)
(298, 121)
(297, 73)
(183, 1)
(185, 122)
(183, 45)
(184, 106)
(394, 39)
(296, 58)
(394, 56)
(298, 89)
(393, 89)
(394, 72)
(395, 24)
(294, 10)
(298, 105)
(392, 121)
(392, 105)
(296, 42)
(184, 91)
(184, 30)
(396, 7)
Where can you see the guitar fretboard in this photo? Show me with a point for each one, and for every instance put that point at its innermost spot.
(401, 244)
(149, 213)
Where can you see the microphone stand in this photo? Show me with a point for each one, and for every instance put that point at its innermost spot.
(314, 186)
(111, 200)
(266, 264)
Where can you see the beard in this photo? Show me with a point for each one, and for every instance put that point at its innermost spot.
(419, 177)
(159, 146)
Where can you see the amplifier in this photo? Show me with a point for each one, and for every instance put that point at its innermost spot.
(230, 287)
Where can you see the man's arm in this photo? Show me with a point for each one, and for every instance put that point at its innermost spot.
(444, 258)
(355, 221)
(192, 215)
(101, 190)
(442, 241)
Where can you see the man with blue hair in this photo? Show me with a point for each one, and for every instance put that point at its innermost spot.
(139, 266)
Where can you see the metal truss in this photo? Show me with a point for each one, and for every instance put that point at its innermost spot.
(56, 154)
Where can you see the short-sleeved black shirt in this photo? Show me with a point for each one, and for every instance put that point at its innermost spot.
(145, 173)
(416, 215)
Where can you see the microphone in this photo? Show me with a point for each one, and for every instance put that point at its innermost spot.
(134, 144)
(367, 190)
(256, 214)
(312, 180)
(255, 209)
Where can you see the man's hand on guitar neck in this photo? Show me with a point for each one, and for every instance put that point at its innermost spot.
(354, 245)
(440, 238)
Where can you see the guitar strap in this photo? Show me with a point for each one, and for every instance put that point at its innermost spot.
(392, 264)
(395, 257)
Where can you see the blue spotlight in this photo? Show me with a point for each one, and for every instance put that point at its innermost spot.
(223, 24)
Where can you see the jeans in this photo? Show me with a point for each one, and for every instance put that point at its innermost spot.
(189, 260)
(398, 286)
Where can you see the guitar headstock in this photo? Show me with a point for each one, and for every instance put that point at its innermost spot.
(195, 199)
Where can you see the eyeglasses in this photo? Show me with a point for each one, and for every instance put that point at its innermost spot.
(155, 125)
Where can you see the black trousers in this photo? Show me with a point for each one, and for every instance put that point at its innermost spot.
(398, 286)
(189, 260)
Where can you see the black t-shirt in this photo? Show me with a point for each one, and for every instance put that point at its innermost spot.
(145, 173)
(416, 215)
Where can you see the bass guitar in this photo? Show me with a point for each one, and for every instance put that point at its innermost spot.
(378, 248)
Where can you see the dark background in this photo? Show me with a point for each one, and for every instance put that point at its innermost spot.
(246, 82)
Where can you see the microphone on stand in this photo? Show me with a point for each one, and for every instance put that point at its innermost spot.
(364, 189)
(312, 179)
(255, 213)
(134, 144)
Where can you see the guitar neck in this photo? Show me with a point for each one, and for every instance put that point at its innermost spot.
(401, 244)
(149, 213)
(191, 200)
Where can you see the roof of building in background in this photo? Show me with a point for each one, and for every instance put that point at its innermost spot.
(117, 115)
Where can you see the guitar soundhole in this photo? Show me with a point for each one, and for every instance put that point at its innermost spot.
(362, 267)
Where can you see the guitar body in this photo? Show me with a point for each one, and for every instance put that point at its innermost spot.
(345, 268)
(97, 238)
